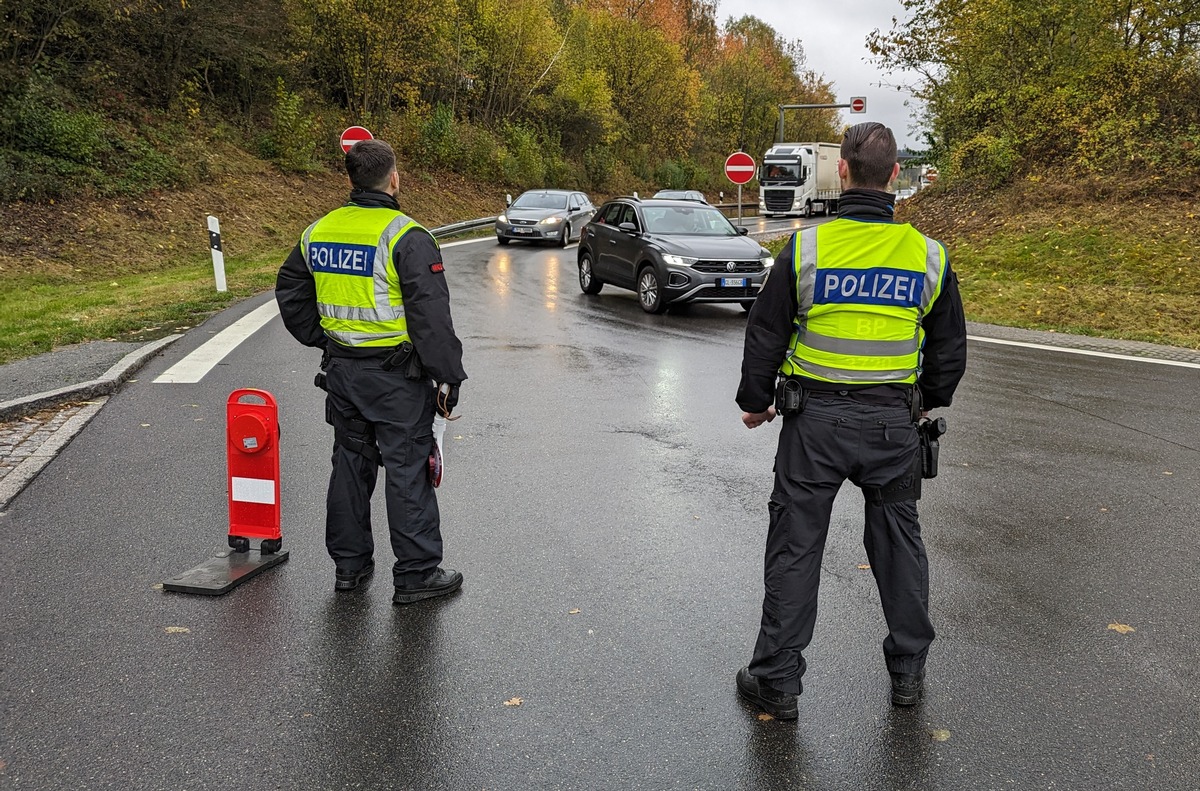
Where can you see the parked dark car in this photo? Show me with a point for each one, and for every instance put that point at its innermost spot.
(670, 252)
(692, 195)
(545, 216)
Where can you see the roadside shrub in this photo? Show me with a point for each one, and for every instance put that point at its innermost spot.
(292, 141)
(523, 165)
(438, 142)
(985, 158)
(38, 121)
(599, 164)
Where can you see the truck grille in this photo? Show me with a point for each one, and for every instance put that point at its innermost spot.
(720, 267)
(778, 200)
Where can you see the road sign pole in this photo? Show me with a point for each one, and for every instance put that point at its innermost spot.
(739, 204)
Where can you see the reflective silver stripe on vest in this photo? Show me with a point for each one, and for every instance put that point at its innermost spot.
(806, 278)
(304, 244)
(933, 272)
(852, 374)
(383, 252)
(359, 338)
(824, 343)
(360, 314)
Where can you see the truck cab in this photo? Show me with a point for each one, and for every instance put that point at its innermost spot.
(799, 178)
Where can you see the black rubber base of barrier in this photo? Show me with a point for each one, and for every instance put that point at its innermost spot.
(224, 572)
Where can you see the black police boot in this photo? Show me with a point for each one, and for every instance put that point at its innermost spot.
(780, 705)
(348, 580)
(907, 688)
(438, 582)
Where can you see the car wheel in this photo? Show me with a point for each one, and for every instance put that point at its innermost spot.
(649, 291)
(502, 240)
(588, 282)
(565, 239)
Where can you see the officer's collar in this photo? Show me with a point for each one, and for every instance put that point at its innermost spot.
(371, 199)
(866, 204)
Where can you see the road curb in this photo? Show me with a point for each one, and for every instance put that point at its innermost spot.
(105, 385)
(16, 481)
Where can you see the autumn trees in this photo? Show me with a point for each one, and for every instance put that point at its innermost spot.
(596, 94)
(1024, 86)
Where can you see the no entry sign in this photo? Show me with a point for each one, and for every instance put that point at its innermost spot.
(739, 167)
(858, 104)
(353, 135)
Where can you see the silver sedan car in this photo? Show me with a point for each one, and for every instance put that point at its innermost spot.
(545, 216)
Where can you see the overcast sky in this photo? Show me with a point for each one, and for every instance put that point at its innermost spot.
(834, 35)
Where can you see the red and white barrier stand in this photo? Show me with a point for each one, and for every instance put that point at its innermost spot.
(252, 448)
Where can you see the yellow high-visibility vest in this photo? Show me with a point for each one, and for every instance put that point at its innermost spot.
(862, 289)
(349, 252)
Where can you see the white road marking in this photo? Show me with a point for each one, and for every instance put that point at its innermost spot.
(195, 366)
(1084, 352)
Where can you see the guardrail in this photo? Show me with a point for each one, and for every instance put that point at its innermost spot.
(455, 228)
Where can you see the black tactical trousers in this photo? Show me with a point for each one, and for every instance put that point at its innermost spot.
(876, 447)
(400, 411)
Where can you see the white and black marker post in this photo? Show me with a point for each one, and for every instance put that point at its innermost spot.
(218, 254)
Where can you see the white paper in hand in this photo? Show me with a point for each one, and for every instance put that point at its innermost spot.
(435, 455)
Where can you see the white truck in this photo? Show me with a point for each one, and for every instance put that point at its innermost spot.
(799, 178)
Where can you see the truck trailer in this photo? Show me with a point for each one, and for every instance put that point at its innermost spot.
(799, 178)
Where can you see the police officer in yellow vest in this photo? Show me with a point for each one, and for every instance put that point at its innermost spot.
(366, 284)
(857, 332)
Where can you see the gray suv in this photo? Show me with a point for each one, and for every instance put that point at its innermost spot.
(670, 252)
(545, 216)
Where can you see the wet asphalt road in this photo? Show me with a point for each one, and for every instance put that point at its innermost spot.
(600, 466)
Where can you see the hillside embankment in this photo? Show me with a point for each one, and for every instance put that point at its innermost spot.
(1102, 258)
(85, 269)
(1093, 259)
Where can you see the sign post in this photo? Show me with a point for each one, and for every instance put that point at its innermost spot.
(739, 168)
(354, 134)
(218, 252)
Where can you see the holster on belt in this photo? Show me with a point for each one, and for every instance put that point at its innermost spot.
(790, 396)
(405, 357)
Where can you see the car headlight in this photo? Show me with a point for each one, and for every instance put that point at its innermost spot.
(679, 260)
(767, 261)
(555, 220)
(501, 218)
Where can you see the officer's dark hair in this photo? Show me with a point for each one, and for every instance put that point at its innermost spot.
(369, 163)
(870, 153)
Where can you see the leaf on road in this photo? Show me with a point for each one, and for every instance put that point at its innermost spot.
(573, 612)
(764, 717)
(695, 516)
(177, 630)
(459, 436)
(939, 735)
(157, 586)
(1104, 510)
(514, 702)
(1167, 472)
(145, 425)
(1121, 628)
(864, 566)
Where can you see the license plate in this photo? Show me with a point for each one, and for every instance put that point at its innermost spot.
(733, 282)
(522, 230)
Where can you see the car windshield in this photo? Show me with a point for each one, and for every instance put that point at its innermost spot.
(540, 200)
(685, 220)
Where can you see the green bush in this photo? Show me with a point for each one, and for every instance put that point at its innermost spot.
(600, 164)
(523, 165)
(37, 120)
(438, 143)
(292, 140)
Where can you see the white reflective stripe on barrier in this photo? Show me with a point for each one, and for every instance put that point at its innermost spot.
(253, 490)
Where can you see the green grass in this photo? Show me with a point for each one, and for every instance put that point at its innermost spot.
(39, 314)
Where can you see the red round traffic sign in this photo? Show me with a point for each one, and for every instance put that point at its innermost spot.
(739, 167)
(353, 135)
(858, 105)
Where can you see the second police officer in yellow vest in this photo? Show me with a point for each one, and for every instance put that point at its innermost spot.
(366, 285)
(858, 331)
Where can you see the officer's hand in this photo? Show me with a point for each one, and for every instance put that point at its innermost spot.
(756, 419)
(446, 399)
